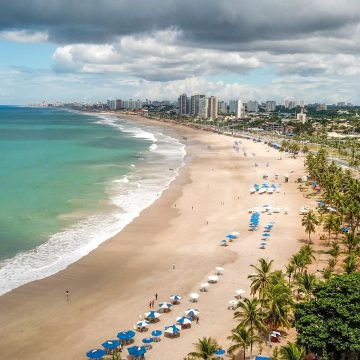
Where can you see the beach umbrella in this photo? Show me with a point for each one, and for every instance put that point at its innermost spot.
(156, 333)
(172, 329)
(219, 352)
(223, 243)
(233, 303)
(194, 297)
(213, 278)
(151, 315)
(95, 354)
(136, 351)
(142, 324)
(111, 344)
(147, 340)
(126, 335)
(235, 233)
(265, 234)
(192, 312)
(231, 236)
(219, 270)
(240, 292)
(175, 297)
(183, 320)
(204, 286)
(165, 305)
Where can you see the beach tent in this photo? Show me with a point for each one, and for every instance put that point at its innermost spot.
(126, 335)
(95, 354)
(111, 344)
(136, 351)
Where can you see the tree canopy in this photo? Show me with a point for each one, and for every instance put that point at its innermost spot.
(329, 324)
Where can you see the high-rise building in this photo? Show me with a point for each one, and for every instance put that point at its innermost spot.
(271, 105)
(233, 106)
(213, 107)
(183, 104)
(194, 104)
(112, 105)
(204, 108)
(223, 107)
(117, 104)
(290, 104)
(239, 110)
(252, 106)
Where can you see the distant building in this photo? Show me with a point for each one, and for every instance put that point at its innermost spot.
(252, 106)
(223, 107)
(213, 107)
(204, 108)
(195, 104)
(117, 104)
(273, 127)
(112, 105)
(290, 104)
(236, 107)
(301, 116)
(271, 106)
(321, 107)
(233, 106)
(183, 104)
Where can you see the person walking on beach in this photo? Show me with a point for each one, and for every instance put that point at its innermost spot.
(156, 296)
(173, 266)
(67, 295)
(197, 320)
(150, 303)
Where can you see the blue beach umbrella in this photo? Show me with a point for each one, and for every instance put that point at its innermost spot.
(126, 335)
(136, 351)
(147, 340)
(175, 297)
(142, 323)
(183, 320)
(231, 236)
(111, 344)
(265, 234)
(172, 329)
(156, 333)
(95, 354)
(192, 312)
(152, 315)
(165, 305)
(219, 352)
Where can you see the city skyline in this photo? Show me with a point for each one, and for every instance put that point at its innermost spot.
(233, 49)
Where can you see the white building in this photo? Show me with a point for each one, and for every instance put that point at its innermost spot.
(203, 108)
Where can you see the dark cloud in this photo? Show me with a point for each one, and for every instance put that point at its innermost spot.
(229, 24)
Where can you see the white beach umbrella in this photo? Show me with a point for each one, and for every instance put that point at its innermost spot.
(194, 297)
(235, 233)
(152, 315)
(219, 270)
(240, 292)
(233, 304)
(204, 286)
(213, 279)
(183, 320)
(165, 305)
(175, 297)
(172, 329)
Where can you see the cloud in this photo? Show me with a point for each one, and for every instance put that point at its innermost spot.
(157, 56)
(24, 36)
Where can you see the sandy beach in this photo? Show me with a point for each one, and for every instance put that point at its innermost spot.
(114, 284)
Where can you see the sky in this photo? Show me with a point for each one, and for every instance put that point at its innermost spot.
(66, 50)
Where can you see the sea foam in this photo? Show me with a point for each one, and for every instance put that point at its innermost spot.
(128, 195)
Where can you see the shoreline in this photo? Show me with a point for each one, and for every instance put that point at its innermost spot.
(127, 270)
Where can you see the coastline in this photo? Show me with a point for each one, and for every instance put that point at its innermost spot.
(112, 285)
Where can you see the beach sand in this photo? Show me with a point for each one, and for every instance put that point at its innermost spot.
(114, 284)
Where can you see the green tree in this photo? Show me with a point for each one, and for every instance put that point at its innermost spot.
(309, 221)
(260, 280)
(306, 283)
(250, 314)
(241, 338)
(329, 324)
(292, 351)
(205, 349)
(351, 263)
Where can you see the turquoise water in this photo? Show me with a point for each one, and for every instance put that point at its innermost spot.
(69, 181)
(54, 167)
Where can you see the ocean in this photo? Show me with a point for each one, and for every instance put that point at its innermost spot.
(69, 181)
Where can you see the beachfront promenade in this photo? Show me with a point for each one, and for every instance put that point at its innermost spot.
(113, 285)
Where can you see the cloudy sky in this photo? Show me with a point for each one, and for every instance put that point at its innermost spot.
(248, 49)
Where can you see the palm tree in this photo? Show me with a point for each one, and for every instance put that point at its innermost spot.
(351, 263)
(278, 306)
(290, 270)
(205, 349)
(329, 225)
(309, 221)
(292, 351)
(260, 280)
(306, 283)
(241, 338)
(250, 314)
